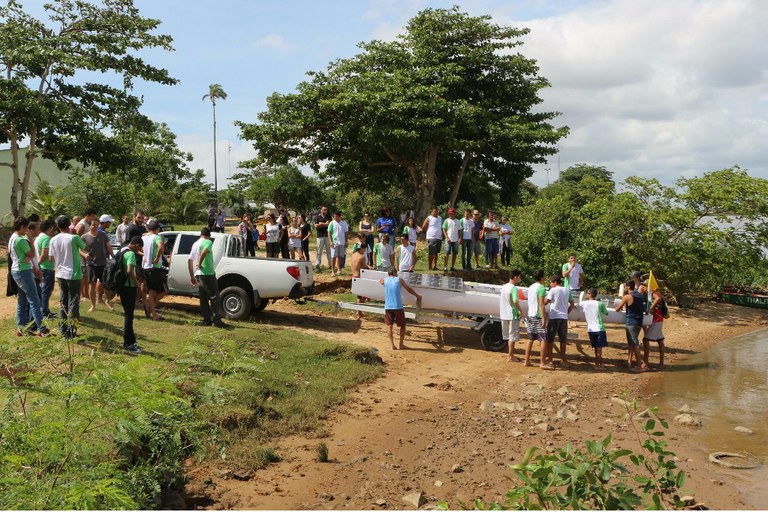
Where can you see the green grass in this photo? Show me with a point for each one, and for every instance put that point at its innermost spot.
(235, 392)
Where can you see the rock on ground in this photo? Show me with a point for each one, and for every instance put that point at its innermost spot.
(687, 420)
(414, 500)
(743, 430)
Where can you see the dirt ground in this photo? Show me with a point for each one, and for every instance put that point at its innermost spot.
(430, 426)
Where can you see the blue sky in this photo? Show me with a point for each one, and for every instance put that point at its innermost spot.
(654, 88)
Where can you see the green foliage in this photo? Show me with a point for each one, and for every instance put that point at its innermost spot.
(285, 187)
(105, 436)
(715, 224)
(599, 478)
(452, 90)
(46, 200)
(43, 98)
(89, 427)
(321, 452)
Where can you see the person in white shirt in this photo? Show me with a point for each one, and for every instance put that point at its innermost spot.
(433, 225)
(509, 313)
(536, 319)
(560, 302)
(506, 241)
(405, 256)
(467, 239)
(451, 228)
(573, 275)
(345, 228)
(337, 241)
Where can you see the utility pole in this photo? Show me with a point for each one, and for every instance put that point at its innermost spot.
(547, 169)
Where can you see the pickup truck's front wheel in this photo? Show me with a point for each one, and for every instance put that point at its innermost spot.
(235, 302)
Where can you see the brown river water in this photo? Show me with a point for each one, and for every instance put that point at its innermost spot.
(727, 386)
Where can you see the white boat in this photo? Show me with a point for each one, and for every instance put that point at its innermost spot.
(452, 294)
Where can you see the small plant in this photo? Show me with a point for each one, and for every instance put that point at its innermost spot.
(321, 452)
(599, 478)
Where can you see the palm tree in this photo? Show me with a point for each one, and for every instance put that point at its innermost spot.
(215, 92)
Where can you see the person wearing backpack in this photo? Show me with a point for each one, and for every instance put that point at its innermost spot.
(655, 331)
(128, 294)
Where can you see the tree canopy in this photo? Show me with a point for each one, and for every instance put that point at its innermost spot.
(46, 99)
(451, 95)
(696, 236)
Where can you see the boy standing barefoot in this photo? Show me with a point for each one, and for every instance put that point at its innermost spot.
(509, 312)
(594, 311)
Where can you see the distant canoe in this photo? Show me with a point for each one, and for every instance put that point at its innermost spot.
(743, 298)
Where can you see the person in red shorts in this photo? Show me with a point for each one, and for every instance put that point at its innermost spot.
(394, 313)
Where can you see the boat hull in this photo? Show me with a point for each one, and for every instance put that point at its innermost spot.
(475, 299)
(752, 300)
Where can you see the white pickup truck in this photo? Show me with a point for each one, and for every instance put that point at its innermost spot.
(245, 284)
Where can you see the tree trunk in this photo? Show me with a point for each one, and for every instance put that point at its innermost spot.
(459, 177)
(425, 192)
(31, 155)
(15, 177)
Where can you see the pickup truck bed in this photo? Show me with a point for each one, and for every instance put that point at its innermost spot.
(245, 284)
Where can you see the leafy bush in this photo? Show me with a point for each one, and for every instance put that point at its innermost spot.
(103, 437)
(599, 478)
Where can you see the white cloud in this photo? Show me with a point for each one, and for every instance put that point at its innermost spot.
(656, 88)
(275, 42)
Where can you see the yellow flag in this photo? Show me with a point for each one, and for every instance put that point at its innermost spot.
(652, 284)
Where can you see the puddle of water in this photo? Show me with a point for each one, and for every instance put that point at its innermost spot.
(727, 385)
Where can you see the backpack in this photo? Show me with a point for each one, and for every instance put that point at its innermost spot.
(11, 287)
(114, 272)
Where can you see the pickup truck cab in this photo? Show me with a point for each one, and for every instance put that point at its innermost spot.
(245, 284)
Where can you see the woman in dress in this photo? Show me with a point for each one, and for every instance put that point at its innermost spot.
(294, 239)
(367, 228)
(246, 231)
(273, 236)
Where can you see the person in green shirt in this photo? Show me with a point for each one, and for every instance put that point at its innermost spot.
(128, 294)
(28, 300)
(48, 279)
(210, 303)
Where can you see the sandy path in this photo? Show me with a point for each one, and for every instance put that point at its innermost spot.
(405, 432)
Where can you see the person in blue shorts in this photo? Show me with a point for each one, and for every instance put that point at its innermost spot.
(594, 311)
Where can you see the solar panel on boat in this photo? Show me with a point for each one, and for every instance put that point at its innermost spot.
(436, 282)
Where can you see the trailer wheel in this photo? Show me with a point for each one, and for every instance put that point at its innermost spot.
(235, 302)
(492, 339)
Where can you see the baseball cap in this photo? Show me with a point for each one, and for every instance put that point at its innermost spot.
(635, 274)
(105, 218)
(451, 210)
(152, 225)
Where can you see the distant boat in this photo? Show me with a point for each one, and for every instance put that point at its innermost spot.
(743, 298)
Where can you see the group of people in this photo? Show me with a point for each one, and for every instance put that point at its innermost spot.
(470, 236)
(77, 254)
(546, 326)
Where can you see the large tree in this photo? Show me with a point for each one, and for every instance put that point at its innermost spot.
(47, 98)
(449, 95)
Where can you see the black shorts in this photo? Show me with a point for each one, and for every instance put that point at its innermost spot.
(434, 246)
(557, 327)
(95, 273)
(157, 279)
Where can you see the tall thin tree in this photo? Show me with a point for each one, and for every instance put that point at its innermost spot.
(215, 91)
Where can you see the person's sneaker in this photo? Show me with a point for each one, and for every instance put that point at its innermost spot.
(205, 323)
(132, 349)
(220, 324)
(20, 333)
(453, 269)
(43, 333)
(445, 269)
